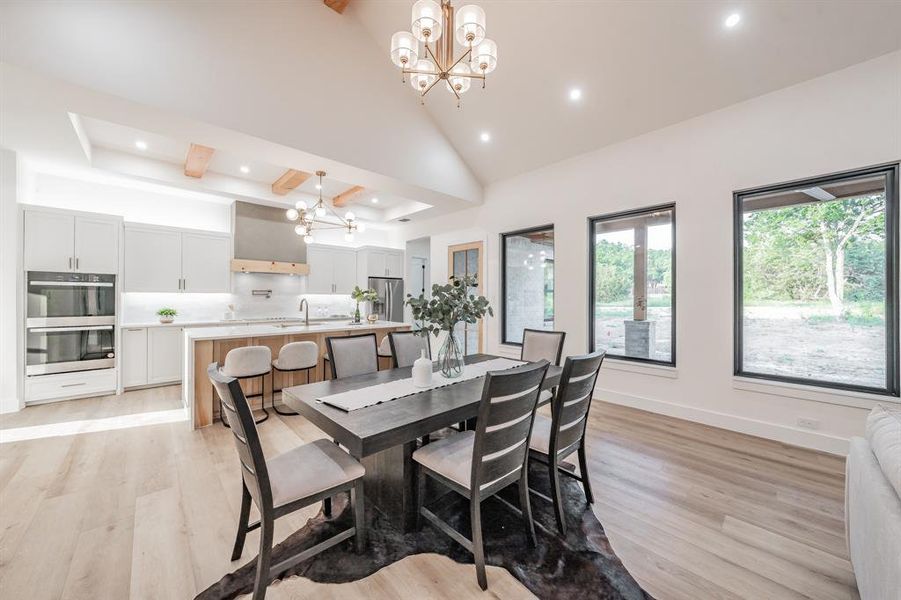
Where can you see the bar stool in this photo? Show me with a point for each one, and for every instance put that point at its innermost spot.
(249, 362)
(293, 357)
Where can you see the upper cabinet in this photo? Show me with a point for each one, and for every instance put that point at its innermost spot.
(75, 242)
(162, 259)
(332, 270)
(379, 262)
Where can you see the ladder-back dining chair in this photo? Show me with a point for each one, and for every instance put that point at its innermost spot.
(540, 344)
(285, 483)
(478, 464)
(407, 346)
(352, 355)
(554, 439)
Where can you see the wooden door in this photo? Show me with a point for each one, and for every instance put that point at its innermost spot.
(464, 260)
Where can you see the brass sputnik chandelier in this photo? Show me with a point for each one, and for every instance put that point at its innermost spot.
(435, 26)
(312, 218)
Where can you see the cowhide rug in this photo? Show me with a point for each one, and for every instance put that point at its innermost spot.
(581, 565)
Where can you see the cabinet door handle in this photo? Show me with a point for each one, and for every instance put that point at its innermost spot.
(76, 263)
(72, 384)
(70, 263)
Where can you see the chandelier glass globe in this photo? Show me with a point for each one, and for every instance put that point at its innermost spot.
(404, 49)
(427, 21)
(457, 82)
(421, 81)
(484, 59)
(470, 24)
(292, 214)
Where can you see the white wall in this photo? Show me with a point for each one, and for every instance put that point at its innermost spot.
(10, 324)
(847, 119)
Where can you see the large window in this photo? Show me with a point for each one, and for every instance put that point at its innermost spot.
(527, 259)
(816, 281)
(632, 284)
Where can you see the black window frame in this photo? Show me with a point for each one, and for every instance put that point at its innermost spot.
(503, 239)
(671, 206)
(891, 172)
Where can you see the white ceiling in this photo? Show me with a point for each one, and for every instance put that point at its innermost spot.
(641, 66)
(297, 84)
(121, 138)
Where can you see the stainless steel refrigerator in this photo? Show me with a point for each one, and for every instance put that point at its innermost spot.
(390, 305)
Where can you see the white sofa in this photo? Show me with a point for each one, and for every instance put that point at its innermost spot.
(873, 505)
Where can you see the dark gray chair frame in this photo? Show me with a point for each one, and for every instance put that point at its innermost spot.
(561, 334)
(570, 405)
(496, 471)
(391, 336)
(331, 355)
(257, 489)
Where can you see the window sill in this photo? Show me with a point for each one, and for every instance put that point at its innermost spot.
(613, 364)
(811, 392)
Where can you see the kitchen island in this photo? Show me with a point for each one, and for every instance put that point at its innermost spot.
(204, 345)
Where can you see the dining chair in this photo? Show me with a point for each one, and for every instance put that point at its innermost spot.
(540, 344)
(478, 464)
(283, 484)
(407, 346)
(556, 438)
(352, 355)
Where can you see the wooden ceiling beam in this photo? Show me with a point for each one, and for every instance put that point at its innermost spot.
(337, 5)
(290, 180)
(197, 160)
(345, 196)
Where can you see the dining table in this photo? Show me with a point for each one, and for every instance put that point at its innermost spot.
(384, 436)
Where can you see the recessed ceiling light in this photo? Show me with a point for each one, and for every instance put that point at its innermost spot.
(375, 200)
(732, 20)
(140, 144)
(575, 94)
(245, 169)
(485, 136)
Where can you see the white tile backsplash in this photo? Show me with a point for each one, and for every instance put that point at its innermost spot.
(284, 302)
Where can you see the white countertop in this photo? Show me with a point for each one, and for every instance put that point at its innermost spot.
(267, 329)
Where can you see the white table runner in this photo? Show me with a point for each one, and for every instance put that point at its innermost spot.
(400, 388)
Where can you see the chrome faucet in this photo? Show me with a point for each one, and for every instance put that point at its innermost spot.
(305, 307)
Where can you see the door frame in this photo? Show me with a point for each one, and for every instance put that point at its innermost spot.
(480, 246)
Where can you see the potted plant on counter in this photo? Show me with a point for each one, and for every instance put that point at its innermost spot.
(360, 295)
(450, 305)
(166, 315)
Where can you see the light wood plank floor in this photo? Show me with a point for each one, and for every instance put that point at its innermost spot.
(137, 507)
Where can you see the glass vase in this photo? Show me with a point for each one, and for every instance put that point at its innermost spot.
(450, 356)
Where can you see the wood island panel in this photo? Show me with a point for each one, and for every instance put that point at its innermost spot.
(206, 405)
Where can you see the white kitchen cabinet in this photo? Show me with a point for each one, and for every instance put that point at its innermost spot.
(49, 241)
(134, 356)
(152, 260)
(64, 241)
(161, 259)
(379, 262)
(164, 354)
(394, 264)
(332, 270)
(344, 271)
(151, 355)
(96, 245)
(205, 263)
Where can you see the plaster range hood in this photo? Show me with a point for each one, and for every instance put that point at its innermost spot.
(266, 243)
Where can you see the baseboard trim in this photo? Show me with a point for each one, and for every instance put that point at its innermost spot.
(763, 429)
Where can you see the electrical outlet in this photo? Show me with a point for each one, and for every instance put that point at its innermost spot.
(808, 423)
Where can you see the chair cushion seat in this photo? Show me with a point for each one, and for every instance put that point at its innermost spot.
(310, 469)
(249, 361)
(450, 457)
(541, 435)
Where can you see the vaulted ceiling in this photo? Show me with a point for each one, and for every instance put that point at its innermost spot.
(303, 76)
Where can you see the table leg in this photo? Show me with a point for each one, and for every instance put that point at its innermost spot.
(390, 484)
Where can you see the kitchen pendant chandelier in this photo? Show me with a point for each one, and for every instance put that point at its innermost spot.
(436, 26)
(311, 219)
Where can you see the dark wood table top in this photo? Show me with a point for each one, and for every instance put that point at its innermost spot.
(375, 428)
